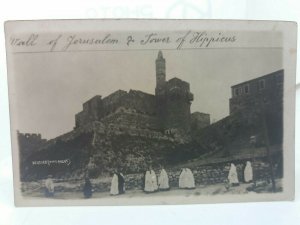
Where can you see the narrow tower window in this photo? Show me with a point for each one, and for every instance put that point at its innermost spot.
(236, 92)
(261, 84)
(246, 89)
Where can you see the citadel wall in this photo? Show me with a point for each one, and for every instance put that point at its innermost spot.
(199, 120)
(177, 106)
(92, 111)
(29, 142)
(96, 108)
(127, 118)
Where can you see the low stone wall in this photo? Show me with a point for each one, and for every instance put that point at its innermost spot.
(218, 173)
(204, 175)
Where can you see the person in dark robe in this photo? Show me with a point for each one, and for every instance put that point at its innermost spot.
(87, 189)
(121, 183)
(143, 179)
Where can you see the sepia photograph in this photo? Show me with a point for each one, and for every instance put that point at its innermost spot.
(107, 115)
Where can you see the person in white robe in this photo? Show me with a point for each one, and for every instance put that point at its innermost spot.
(154, 180)
(186, 179)
(233, 176)
(114, 188)
(150, 182)
(49, 185)
(190, 180)
(121, 183)
(248, 172)
(182, 178)
(163, 180)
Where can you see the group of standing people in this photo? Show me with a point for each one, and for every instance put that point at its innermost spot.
(233, 175)
(186, 179)
(117, 184)
(152, 183)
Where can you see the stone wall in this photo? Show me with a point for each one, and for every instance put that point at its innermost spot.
(96, 108)
(127, 118)
(113, 98)
(261, 101)
(199, 120)
(30, 142)
(204, 175)
(139, 101)
(213, 174)
(175, 83)
(177, 105)
(269, 95)
(92, 111)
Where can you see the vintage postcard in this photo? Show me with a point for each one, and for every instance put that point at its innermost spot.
(136, 112)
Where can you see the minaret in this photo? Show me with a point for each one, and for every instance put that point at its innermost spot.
(160, 73)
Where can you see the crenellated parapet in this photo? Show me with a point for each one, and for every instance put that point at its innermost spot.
(29, 143)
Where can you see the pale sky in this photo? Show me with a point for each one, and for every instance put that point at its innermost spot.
(51, 87)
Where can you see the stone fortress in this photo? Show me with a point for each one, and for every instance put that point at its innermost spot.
(167, 112)
(132, 130)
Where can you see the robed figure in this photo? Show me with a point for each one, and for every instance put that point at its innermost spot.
(233, 176)
(49, 187)
(186, 179)
(150, 182)
(121, 183)
(114, 188)
(87, 188)
(248, 172)
(163, 181)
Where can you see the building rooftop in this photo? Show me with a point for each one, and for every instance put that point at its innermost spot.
(258, 78)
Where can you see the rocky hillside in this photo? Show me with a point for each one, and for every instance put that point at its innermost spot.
(100, 150)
